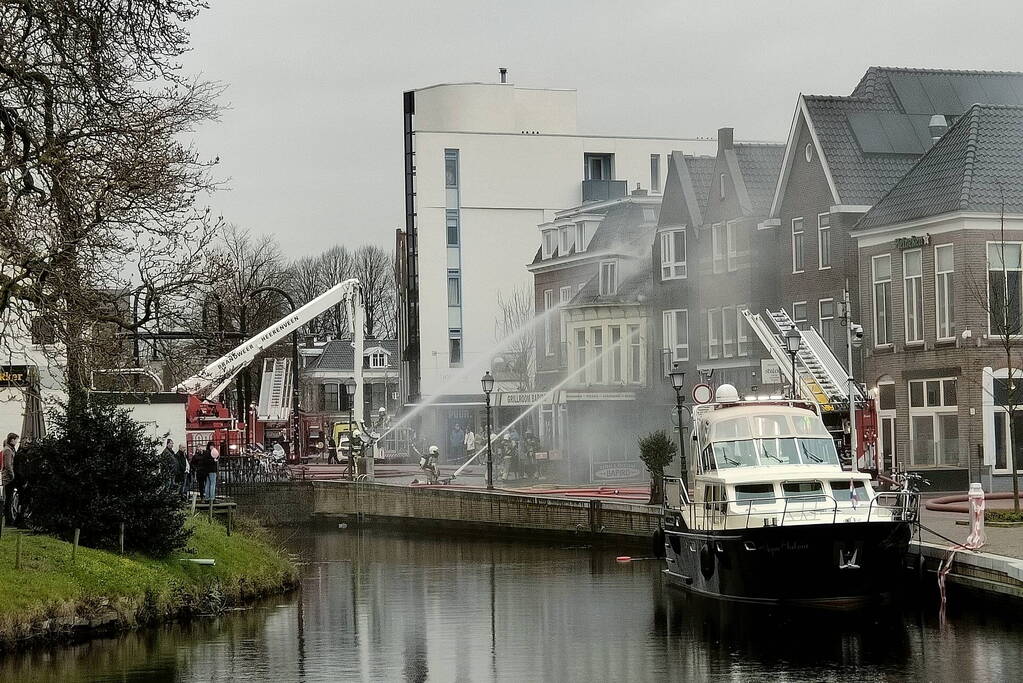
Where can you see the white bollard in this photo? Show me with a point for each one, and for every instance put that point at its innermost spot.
(977, 537)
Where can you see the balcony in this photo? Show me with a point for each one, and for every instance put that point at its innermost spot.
(602, 190)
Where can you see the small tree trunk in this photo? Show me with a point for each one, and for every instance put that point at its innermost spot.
(656, 488)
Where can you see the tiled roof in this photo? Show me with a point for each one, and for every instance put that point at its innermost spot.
(625, 229)
(963, 171)
(688, 176)
(759, 164)
(863, 176)
(338, 354)
(701, 171)
(636, 285)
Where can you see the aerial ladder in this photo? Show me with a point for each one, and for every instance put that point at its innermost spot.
(820, 376)
(206, 385)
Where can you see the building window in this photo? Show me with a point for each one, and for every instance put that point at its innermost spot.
(728, 323)
(797, 245)
(826, 315)
(565, 297)
(714, 333)
(599, 166)
(330, 398)
(944, 294)
(799, 314)
(580, 237)
(808, 151)
(933, 422)
(454, 288)
(1005, 282)
(455, 347)
(655, 172)
(721, 185)
(823, 241)
(635, 354)
(550, 243)
(452, 222)
(742, 327)
(377, 360)
(597, 333)
(567, 239)
(608, 278)
(1008, 438)
(548, 339)
(719, 244)
(731, 240)
(580, 355)
(673, 255)
(616, 353)
(451, 168)
(912, 291)
(881, 267)
(676, 334)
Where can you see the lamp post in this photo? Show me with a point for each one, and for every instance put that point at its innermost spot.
(488, 386)
(792, 341)
(678, 380)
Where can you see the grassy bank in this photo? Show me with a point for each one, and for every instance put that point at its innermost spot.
(51, 595)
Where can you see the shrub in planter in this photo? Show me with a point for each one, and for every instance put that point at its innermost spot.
(656, 451)
(95, 470)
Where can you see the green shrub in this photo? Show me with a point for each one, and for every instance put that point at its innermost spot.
(656, 451)
(95, 470)
(1003, 516)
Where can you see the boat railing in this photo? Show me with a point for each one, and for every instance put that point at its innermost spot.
(812, 508)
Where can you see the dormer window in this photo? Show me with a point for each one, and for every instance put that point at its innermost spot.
(608, 278)
(550, 238)
(580, 237)
(375, 358)
(566, 235)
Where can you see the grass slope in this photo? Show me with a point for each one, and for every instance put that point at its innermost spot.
(138, 589)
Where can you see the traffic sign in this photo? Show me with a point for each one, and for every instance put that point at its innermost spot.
(702, 393)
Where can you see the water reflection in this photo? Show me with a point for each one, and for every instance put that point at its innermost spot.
(383, 606)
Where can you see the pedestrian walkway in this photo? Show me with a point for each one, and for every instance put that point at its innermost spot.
(1000, 541)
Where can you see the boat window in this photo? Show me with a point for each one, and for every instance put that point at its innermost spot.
(771, 425)
(842, 490)
(754, 492)
(808, 425)
(734, 428)
(778, 452)
(735, 454)
(803, 490)
(707, 460)
(818, 451)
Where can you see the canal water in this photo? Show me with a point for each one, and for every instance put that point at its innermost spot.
(382, 606)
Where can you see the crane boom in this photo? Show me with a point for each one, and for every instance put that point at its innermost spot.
(349, 291)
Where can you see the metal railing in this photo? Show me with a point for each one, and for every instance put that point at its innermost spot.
(719, 514)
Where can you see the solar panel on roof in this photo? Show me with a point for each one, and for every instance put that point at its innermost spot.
(999, 90)
(900, 133)
(922, 128)
(868, 131)
(941, 94)
(1017, 88)
(912, 94)
(970, 91)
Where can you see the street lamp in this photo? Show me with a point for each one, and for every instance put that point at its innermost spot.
(678, 380)
(488, 386)
(792, 341)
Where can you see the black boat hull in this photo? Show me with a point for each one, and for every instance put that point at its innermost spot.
(828, 565)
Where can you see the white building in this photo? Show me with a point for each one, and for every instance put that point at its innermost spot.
(485, 163)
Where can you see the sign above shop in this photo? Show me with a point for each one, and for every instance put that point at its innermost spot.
(14, 376)
(600, 396)
(912, 242)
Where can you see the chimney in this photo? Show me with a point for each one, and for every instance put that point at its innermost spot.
(725, 138)
(937, 126)
(504, 74)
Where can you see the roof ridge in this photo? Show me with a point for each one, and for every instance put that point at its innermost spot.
(926, 70)
(971, 156)
(759, 144)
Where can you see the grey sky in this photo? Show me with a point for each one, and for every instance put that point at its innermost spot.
(312, 140)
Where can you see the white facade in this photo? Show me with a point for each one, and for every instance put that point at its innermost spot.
(519, 160)
(17, 350)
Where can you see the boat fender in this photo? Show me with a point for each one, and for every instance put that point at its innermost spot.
(657, 543)
(706, 561)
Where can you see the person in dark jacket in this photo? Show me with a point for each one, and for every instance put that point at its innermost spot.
(7, 474)
(181, 468)
(167, 462)
(201, 467)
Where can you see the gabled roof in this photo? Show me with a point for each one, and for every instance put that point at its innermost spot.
(968, 169)
(759, 164)
(339, 353)
(625, 228)
(686, 189)
(868, 140)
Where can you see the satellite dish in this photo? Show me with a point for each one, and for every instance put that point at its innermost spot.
(726, 393)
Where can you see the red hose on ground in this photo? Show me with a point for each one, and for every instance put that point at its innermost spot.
(960, 502)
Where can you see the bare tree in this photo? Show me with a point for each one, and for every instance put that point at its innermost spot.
(1000, 297)
(337, 264)
(375, 269)
(98, 192)
(514, 315)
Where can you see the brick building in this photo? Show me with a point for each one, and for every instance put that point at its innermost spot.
(705, 268)
(941, 285)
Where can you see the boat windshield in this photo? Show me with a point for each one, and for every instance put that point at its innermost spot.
(774, 451)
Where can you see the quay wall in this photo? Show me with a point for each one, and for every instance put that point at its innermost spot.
(481, 510)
